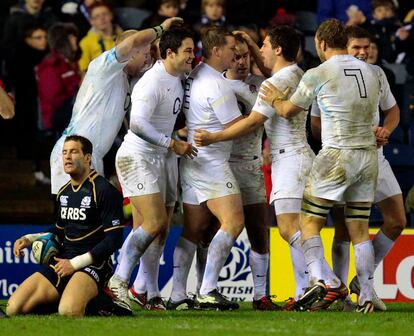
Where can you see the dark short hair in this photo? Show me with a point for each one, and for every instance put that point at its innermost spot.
(332, 31)
(30, 27)
(288, 39)
(356, 32)
(213, 37)
(86, 145)
(172, 39)
(383, 3)
(97, 5)
(174, 3)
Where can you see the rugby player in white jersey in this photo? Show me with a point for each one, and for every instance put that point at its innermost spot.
(104, 97)
(146, 167)
(388, 196)
(347, 91)
(208, 183)
(291, 154)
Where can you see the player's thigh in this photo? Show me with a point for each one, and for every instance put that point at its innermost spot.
(393, 212)
(34, 291)
(257, 227)
(196, 220)
(313, 216)
(152, 209)
(229, 211)
(80, 289)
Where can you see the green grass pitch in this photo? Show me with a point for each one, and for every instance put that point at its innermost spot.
(398, 320)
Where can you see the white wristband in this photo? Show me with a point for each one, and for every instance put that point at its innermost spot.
(81, 261)
(33, 236)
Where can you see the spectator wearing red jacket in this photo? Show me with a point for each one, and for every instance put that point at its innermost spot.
(58, 77)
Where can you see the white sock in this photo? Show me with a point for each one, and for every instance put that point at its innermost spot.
(316, 263)
(183, 257)
(122, 251)
(151, 262)
(300, 271)
(382, 245)
(340, 259)
(202, 252)
(218, 252)
(139, 283)
(364, 264)
(134, 249)
(259, 264)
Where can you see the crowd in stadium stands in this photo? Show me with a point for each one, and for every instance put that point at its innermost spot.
(46, 47)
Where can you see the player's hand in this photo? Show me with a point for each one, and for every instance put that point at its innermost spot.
(269, 93)
(171, 21)
(382, 135)
(63, 267)
(244, 36)
(204, 138)
(184, 149)
(19, 245)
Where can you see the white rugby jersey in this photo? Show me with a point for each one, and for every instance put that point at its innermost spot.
(347, 92)
(246, 92)
(283, 133)
(209, 103)
(102, 101)
(156, 97)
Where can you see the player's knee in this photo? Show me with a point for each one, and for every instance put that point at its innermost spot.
(155, 226)
(69, 309)
(393, 226)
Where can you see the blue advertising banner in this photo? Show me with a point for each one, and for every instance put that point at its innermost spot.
(235, 278)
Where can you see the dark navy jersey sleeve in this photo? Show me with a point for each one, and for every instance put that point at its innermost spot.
(109, 203)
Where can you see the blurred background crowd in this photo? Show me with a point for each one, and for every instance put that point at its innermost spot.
(46, 47)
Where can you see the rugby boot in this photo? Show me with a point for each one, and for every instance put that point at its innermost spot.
(331, 295)
(311, 295)
(355, 288)
(139, 298)
(265, 303)
(215, 300)
(185, 304)
(117, 290)
(155, 303)
(366, 308)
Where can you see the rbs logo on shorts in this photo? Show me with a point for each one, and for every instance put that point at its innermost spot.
(72, 213)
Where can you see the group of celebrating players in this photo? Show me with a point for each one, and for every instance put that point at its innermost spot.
(222, 186)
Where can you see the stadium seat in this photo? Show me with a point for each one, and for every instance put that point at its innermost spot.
(306, 22)
(130, 17)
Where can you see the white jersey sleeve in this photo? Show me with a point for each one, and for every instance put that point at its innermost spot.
(306, 91)
(387, 99)
(224, 104)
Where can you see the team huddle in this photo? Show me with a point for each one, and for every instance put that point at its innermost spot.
(221, 110)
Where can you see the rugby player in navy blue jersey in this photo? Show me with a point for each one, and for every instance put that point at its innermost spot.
(89, 227)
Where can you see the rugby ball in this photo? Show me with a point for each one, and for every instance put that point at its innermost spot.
(45, 248)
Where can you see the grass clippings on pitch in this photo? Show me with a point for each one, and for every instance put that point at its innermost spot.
(398, 320)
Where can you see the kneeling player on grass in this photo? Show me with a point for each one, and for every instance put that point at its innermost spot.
(89, 238)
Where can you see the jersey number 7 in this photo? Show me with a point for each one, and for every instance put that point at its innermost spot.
(357, 74)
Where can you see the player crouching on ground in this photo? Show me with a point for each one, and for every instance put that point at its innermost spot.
(89, 240)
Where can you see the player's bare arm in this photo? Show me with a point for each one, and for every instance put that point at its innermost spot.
(235, 129)
(278, 100)
(127, 48)
(6, 105)
(391, 121)
(255, 52)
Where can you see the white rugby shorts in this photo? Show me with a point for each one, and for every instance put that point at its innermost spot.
(249, 176)
(144, 174)
(290, 169)
(202, 180)
(348, 175)
(387, 184)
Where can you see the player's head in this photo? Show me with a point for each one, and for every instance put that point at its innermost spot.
(241, 65)
(330, 35)
(77, 154)
(142, 58)
(219, 46)
(358, 42)
(281, 41)
(177, 50)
